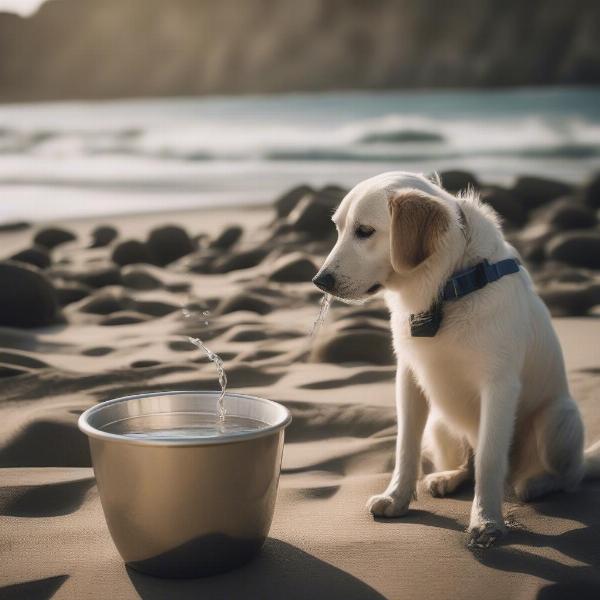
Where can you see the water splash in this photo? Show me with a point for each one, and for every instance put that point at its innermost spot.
(212, 356)
(323, 310)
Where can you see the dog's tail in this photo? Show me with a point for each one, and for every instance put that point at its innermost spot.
(591, 461)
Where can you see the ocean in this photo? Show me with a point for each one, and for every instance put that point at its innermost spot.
(88, 158)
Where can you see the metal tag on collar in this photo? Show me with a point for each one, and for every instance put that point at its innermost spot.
(427, 323)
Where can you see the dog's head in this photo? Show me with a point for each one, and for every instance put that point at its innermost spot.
(387, 230)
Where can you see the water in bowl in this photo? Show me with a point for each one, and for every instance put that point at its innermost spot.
(181, 426)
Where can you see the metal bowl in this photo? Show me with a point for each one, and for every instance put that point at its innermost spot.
(185, 506)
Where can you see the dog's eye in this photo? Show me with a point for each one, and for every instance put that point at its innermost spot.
(364, 231)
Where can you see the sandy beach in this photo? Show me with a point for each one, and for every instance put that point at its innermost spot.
(107, 321)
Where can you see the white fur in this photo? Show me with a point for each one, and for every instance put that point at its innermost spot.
(491, 384)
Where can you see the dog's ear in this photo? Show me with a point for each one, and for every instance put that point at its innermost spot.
(418, 222)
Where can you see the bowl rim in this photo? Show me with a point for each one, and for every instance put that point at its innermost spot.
(93, 432)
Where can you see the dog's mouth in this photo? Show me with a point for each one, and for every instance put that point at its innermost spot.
(374, 288)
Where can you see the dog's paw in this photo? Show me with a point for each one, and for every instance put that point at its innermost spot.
(485, 534)
(385, 505)
(440, 484)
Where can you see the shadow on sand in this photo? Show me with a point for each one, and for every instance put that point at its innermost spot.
(280, 571)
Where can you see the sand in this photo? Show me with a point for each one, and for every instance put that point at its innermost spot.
(117, 340)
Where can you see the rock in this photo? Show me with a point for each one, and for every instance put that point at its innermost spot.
(103, 235)
(579, 248)
(71, 292)
(228, 237)
(27, 297)
(591, 191)
(244, 302)
(51, 237)
(331, 195)
(536, 191)
(100, 276)
(240, 260)
(248, 335)
(138, 278)
(168, 243)
(125, 318)
(356, 346)
(131, 252)
(9, 226)
(568, 213)
(531, 243)
(103, 304)
(570, 299)
(505, 205)
(456, 181)
(293, 268)
(312, 217)
(286, 203)
(37, 256)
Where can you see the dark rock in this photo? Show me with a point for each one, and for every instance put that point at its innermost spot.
(144, 364)
(103, 304)
(591, 191)
(505, 205)
(240, 260)
(248, 335)
(52, 237)
(331, 195)
(103, 235)
(14, 226)
(138, 278)
(168, 243)
(101, 276)
(568, 213)
(286, 203)
(70, 292)
(132, 252)
(36, 255)
(581, 249)
(356, 346)
(27, 297)
(155, 308)
(536, 191)
(244, 302)
(531, 244)
(228, 237)
(125, 318)
(312, 217)
(293, 268)
(455, 181)
(570, 299)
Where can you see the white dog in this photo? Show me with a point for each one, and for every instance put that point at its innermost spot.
(480, 369)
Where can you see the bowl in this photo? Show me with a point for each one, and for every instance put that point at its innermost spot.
(180, 504)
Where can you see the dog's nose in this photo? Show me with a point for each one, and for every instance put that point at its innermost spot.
(324, 281)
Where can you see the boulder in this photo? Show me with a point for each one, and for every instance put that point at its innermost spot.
(227, 238)
(313, 218)
(131, 252)
(139, 278)
(50, 237)
(505, 204)
(104, 304)
(245, 302)
(27, 297)
(293, 267)
(168, 243)
(570, 299)
(70, 292)
(591, 192)
(100, 276)
(568, 213)
(9, 226)
(372, 346)
(286, 203)
(103, 235)
(455, 181)
(537, 191)
(239, 260)
(577, 248)
(37, 256)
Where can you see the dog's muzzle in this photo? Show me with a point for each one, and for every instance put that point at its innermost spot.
(324, 281)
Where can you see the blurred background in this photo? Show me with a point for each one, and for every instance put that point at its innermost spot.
(120, 106)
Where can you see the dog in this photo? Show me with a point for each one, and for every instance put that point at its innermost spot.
(481, 388)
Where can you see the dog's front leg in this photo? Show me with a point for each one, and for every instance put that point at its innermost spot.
(496, 424)
(412, 410)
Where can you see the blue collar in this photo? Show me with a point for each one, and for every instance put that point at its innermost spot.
(426, 324)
